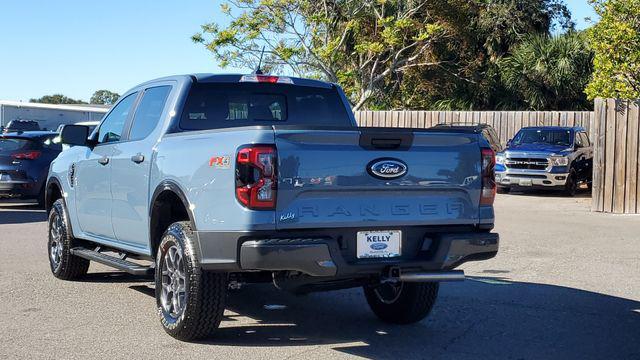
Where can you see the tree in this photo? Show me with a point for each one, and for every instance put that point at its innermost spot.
(104, 97)
(386, 53)
(616, 42)
(549, 72)
(365, 45)
(56, 99)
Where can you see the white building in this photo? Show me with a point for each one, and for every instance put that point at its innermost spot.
(49, 116)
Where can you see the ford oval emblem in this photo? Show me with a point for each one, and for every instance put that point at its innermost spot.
(378, 246)
(387, 168)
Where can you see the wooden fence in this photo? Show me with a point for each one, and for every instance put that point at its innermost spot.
(616, 172)
(506, 123)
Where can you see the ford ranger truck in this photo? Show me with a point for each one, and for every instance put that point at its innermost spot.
(548, 157)
(212, 181)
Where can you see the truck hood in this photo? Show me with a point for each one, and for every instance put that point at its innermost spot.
(541, 148)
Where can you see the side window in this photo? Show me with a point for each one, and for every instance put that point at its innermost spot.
(578, 140)
(148, 112)
(112, 126)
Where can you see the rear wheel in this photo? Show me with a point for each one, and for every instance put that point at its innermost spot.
(64, 265)
(401, 302)
(190, 301)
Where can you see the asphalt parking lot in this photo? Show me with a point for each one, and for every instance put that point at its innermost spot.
(566, 284)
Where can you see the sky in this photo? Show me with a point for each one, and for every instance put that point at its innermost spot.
(75, 47)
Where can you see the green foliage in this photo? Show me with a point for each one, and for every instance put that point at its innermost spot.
(549, 73)
(365, 45)
(56, 99)
(104, 97)
(386, 54)
(616, 42)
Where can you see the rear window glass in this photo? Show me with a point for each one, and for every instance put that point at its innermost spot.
(8, 145)
(214, 106)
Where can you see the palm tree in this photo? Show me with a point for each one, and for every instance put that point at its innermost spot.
(549, 72)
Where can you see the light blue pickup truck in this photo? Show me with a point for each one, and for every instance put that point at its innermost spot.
(212, 181)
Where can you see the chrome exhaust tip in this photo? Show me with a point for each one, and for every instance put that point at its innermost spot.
(452, 275)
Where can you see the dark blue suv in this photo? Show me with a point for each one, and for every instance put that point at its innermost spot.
(24, 163)
(548, 157)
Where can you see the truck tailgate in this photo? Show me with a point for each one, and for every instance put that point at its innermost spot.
(326, 178)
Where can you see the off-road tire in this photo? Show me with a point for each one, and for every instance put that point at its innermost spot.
(205, 292)
(412, 305)
(69, 266)
(571, 186)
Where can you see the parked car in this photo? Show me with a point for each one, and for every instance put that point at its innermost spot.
(219, 180)
(548, 157)
(487, 131)
(21, 125)
(24, 163)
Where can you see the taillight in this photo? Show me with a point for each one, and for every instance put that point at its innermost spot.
(256, 177)
(28, 155)
(488, 192)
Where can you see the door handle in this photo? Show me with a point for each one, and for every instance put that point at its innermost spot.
(137, 158)
(103, 161)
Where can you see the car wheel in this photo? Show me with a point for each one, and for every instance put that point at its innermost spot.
(190, 302)
(401, 302)
(64, 265)
(503, 190)
(571, 186)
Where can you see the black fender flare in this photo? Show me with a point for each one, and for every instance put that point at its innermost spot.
(172, 186)
(47, 195)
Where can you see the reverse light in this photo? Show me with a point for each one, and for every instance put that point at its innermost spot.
(266, 79)
(488, 191)
(28, 155)
(256, 180)
(559, 160)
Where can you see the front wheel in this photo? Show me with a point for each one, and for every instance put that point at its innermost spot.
(64, 265)
(401, 302)
(571, 186)
(190, 301)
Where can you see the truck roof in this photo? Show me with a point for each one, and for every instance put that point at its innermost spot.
(235, 78)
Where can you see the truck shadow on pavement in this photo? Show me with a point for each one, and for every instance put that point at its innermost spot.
(480, 318)
(20, 213)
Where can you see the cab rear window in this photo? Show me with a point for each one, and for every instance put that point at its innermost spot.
(214, 106)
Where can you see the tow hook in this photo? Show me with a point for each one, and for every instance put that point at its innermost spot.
(390, 275)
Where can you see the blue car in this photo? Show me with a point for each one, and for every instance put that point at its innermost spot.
(24, 163)
(547, 157)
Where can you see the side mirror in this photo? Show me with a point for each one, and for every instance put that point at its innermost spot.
(75, 135)
(509, 142)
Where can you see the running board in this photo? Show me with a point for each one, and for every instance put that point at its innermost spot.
(112, 261)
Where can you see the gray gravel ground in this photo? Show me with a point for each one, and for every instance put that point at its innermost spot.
(566, 284)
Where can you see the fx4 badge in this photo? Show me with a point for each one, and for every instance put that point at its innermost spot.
(220, 162)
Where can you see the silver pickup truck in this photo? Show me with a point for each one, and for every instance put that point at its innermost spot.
(211, 181)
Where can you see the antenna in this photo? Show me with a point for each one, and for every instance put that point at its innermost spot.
(258, 70)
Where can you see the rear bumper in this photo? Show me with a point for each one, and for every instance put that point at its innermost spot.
(524, 178)
(332, 254)
(18, 188)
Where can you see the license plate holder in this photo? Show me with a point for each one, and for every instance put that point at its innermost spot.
(375, 244)
(525, 182)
